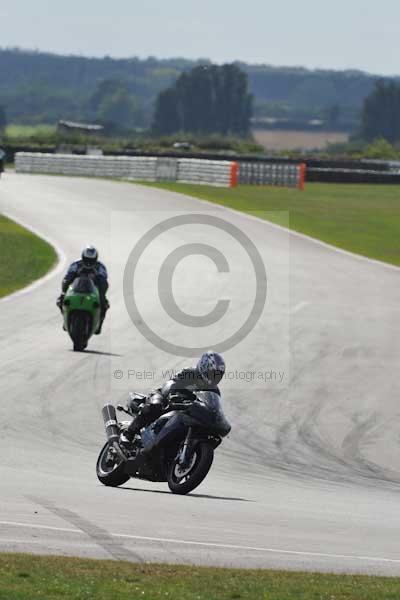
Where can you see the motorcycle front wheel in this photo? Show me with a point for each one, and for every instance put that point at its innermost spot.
(182, 480)
(79, 331)
(110, 468)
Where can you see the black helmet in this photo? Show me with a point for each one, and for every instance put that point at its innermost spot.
(211, 367)
(89, 256)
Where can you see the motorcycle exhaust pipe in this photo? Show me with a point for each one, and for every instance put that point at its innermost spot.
(110, 423)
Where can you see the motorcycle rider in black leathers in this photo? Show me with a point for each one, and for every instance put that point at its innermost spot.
(89, 260)
(206, 376)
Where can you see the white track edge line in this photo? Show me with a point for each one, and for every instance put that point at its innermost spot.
(290, 232)
(209, 544)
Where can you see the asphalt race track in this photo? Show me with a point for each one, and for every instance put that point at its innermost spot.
(310, 476)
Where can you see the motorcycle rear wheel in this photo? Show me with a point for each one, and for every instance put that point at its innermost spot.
(110, 474)
(183, 481)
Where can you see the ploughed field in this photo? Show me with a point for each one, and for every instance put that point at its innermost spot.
(281, 139)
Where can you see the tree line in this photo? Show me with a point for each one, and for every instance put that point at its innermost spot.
(177, 95)
(38, 87)
(207, 99)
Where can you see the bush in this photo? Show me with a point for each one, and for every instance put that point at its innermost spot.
(42, 140)
(381, 149)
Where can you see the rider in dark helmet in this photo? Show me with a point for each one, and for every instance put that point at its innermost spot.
(89, 260)
(206, 376)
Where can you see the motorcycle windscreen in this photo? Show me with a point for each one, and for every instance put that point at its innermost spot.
(83, 285)
(212, 402)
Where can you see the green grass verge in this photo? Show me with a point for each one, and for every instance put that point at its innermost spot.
(364, 219)
(25, 576)
(16, 131)
(24, 257)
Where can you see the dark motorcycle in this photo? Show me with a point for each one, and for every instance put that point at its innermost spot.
(177, 448)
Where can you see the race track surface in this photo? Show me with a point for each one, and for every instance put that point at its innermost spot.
(309, 477)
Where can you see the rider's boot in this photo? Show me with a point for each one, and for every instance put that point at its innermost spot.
(128, 435)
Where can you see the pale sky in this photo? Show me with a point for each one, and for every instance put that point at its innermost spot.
(340, 34)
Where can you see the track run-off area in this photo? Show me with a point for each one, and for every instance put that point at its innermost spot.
(309, 478)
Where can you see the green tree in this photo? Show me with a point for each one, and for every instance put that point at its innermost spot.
(166, 118)
(234, 103)
(104, 89)
(3, 120)
(381, 112)
(112, 105)
(207, 99)
(381, 149)
(117, 110)
(332, 116)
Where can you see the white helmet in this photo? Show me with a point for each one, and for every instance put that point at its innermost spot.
(89, 256)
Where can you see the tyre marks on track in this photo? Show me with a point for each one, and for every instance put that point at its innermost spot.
(99, 535)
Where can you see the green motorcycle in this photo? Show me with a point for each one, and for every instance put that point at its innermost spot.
(81, 310)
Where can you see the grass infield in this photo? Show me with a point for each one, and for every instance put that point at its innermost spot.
(15, 131)
(24, 257)
(24, 576)
(364, 219)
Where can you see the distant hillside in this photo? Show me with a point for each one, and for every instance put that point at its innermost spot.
(37, 87)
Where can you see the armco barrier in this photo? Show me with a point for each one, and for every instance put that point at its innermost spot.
(359, 176)
(263, 173)
(209, 172)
